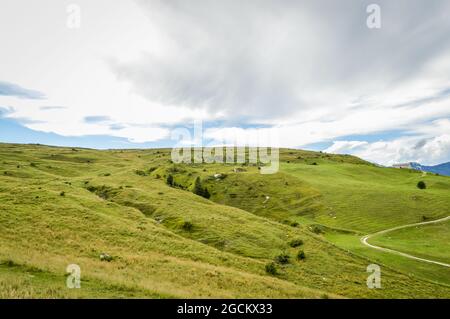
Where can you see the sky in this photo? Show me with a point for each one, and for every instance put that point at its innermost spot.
(304, 74)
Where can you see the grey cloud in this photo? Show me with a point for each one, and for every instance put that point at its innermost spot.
(97, 119)
(262, 59)
(116, 126)
(420, 144)
(11, 89)
(49, 108)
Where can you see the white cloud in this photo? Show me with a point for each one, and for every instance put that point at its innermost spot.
(345, 146)
(427, 151)
(311, 70)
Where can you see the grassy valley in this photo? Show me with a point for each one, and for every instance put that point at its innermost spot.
(293, 234)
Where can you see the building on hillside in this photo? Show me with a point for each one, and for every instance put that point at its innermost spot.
(402, 165)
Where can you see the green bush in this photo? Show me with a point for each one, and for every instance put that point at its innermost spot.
(62, 193)
(187, 226)
(140, 172)
(421, 185)
(105, 257)
(271, 268)
(206, 193)
(282, 259)
(317, 229)
(301, 255)
(296, 242)
(103, 191)
(169, 180)
(199, 190)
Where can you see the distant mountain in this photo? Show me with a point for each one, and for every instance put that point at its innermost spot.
(442, 169)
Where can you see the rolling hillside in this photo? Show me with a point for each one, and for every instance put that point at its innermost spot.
(61, 206)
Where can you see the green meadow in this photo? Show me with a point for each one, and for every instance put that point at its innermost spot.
(428, 241)
(293, 234)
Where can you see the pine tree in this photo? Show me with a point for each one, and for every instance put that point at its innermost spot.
(169, 180)
(198, 189)
(206, 193)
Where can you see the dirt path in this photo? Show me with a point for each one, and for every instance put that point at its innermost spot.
(365, 238)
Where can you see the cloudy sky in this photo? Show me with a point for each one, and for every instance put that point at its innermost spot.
(131, 72)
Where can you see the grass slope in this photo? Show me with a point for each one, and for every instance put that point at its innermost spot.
(60, 206)
(430, 241)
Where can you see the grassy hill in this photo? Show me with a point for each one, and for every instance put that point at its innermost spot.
(430, 241)
(61, 206)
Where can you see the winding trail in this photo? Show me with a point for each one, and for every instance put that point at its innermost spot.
(365, 238)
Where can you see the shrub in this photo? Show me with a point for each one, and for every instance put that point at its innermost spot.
(9, 263)
(187, 226)
(421, 185)
(169, 180)
(199, 190)
(301, 255)
(140, 172)
(317, 229)
(206, 193)
(296, 242)
(282, 259)
(271, 268)
(62, 193)
(103, 191)
(105, 257)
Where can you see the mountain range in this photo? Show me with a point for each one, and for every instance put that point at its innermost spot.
(442, 169)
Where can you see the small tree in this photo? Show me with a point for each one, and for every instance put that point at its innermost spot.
(271, 268)
(282, 259)
(421, 185)
(187, 225)
(206, 193)
(169, 180)
(296, 242)
(198, 189)
(301, 255)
